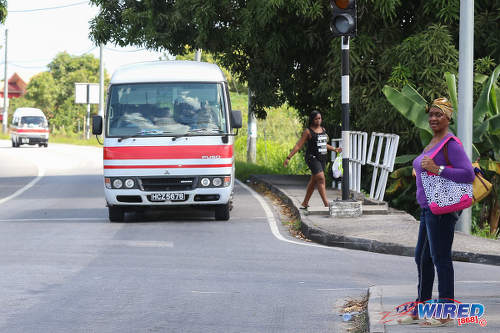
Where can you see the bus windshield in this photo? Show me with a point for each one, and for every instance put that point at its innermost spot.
(165, 109)
(33, 121)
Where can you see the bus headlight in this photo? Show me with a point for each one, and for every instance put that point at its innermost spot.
(117, 183)
(205, 182)
(129, 183)
(217, 182)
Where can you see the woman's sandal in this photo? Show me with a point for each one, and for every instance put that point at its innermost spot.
(409, 320)
(303, 207)
(433, 322)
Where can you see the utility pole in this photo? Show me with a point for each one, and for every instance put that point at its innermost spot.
(465, 104)
(5, 90)
(101, 80)
(252, 131)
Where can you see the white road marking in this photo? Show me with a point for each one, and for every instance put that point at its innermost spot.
(134, 243)
(205, 292)
(273, 224)
(214, 292)
(41, 173)
(58, 219)
(341, 289)
(478, 282)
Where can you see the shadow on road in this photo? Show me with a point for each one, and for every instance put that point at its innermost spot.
(171, 214)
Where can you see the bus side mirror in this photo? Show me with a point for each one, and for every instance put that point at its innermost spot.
(236, 120)
(96, 125)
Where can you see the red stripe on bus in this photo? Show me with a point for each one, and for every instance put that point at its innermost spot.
(31, 131)
(168, 152)
(167, 166)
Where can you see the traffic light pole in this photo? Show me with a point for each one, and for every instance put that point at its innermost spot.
(345, 118)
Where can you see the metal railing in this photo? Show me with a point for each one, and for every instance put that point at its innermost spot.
(385, 163)
(357, 153)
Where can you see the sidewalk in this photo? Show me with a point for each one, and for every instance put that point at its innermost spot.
(394, 232)
(385, 299)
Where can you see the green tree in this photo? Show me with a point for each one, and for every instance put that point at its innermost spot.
(233, 82)
(285, 52)
(54, 91)
(3, 10)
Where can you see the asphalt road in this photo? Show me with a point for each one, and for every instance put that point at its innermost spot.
(65, 268)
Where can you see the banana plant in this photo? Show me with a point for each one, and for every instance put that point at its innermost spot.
(486, 129)
(486, 123)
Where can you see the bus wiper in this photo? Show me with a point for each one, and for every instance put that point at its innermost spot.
(145, 133)
(201, 130)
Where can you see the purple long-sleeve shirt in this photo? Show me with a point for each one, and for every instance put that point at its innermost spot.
(460, 172)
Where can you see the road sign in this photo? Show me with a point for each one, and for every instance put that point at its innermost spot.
(87, 93)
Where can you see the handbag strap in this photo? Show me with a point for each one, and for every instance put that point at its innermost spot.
(445, 153)
(443, 144)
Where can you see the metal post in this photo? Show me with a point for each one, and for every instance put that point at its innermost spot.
(252, 132)
(101, 80)
(197, 55)
(88, 112)
(345, 118)
(465, 77)
(5, 91)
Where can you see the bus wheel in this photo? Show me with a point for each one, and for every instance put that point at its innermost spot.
(222, 212)
(116, 214)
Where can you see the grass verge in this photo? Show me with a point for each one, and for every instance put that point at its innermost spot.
(286, 215)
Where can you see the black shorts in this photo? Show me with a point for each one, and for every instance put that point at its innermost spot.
(315, 165)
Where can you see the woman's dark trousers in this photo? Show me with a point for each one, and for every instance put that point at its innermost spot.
(433, 249)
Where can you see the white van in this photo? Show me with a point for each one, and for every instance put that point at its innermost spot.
(168, 138)
(29, 126)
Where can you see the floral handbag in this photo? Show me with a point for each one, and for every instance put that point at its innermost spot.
(443, 195)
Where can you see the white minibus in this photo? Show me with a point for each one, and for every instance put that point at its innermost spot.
(168, 138)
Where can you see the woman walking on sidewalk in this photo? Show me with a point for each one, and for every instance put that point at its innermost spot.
(436, 232)
(316, 153)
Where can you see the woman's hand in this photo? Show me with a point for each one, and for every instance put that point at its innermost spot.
(285, 164)
(338, 150)
(429, 165)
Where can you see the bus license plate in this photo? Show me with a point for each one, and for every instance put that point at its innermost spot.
(167, 197)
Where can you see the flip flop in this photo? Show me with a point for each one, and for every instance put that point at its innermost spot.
(436, 323)
(409, 320)
(303, 207)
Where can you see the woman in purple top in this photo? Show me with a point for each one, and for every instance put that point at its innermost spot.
(436, 232)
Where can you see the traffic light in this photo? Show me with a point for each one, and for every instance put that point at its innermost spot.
(344, 18)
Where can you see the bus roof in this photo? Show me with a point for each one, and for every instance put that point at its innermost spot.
(168, 71)
(28, 112)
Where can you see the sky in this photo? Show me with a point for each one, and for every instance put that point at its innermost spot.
(35, 37)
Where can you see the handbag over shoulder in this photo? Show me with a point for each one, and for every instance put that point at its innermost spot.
(444, 195)
(481, 187)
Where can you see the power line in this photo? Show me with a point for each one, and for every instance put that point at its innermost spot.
(47, 8)
(89, 50)
(125, 51)
(25, 67)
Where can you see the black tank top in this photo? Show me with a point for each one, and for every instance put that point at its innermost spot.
(316, 145)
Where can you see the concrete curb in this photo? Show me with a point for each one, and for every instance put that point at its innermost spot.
(375, 309)
(320, 236)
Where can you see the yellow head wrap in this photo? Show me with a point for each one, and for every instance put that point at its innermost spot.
(444, 105)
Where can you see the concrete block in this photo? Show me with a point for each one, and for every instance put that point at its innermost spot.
(318, 210)
(346, 208)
